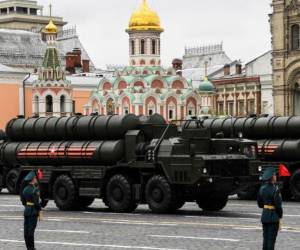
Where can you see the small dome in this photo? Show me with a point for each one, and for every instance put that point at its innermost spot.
(144, 19)
(51, 28)
(206, 86)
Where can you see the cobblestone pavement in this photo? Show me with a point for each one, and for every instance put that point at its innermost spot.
(236, 227)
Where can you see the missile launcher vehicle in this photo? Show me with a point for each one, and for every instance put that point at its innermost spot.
(127, 161)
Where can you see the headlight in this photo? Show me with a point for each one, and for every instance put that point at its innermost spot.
(204, 171)
(260, 169)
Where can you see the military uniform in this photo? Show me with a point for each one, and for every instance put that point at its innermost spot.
(31, 200)
(269, 199)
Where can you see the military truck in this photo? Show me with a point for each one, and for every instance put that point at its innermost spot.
(278, 141)
(128, 160)
(8, 176)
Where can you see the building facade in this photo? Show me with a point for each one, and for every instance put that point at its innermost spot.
(285, 29)
(237, 94)
(144, 87)
(201, 61)
(25, 15)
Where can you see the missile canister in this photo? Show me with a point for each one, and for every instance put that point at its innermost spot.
(254, 128)
(62, 153)
(279, 150)
(112, 127)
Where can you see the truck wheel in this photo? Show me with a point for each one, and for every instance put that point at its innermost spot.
(119, 196)
(12, 181)
(84, 202)
(159, 195)
(64, 193)
(212, 203)
(295, 185)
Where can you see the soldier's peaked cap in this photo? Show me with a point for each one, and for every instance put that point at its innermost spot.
(268, 173)
(30, 176)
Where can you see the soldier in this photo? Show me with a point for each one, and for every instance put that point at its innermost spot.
(31, 200)
(269, 199)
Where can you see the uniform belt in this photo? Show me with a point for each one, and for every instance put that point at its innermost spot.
(271, 207)
(29, 204)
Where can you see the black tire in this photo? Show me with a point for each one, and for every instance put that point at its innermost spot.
(12, 181)
(159, 195)
(119, 195)
(84, 202)
(249, 193)
(212, 203)
(295, 185)
(64, 193)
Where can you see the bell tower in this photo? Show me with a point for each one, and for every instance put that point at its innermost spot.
(144, 37)
(285, 29)
(52, 92)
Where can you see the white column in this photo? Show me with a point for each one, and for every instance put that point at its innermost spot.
(42, 107)
(56, 106)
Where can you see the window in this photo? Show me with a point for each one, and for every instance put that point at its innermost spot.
(62, 104)
(251, 107)
(241, 108)
(170, 114)
(132, 47)
(21, 10)
(153, 47)
(230, 108)
(36, 105)
(49, 104)
(221, 108)
(295, 36)
(191, 110)
(126, 110)
(142, 46)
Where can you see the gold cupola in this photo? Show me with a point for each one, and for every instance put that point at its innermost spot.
(51, 28)
(144, 19)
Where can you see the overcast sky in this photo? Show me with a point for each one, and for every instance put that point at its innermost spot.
(242, 25)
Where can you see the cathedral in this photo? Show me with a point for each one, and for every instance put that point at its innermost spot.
(145, 87)
(285, 28)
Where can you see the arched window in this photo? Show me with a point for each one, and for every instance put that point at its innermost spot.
(153, 47)
(36, 105)
(295, 36)
(132, 47)
(142, 46)
(49, 104)
(62, 104)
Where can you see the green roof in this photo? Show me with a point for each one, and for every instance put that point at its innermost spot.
(51, 59)
(206, 86)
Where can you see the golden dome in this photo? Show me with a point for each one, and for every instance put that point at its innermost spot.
(144, 19)
(51, 28)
